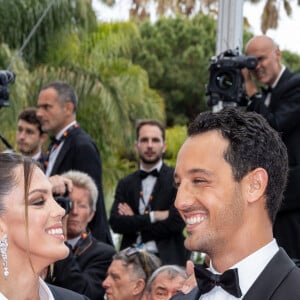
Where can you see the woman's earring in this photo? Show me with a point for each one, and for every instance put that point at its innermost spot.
(3, 252)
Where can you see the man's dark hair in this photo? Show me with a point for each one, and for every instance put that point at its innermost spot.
(65, 92)
(29, 115)
(253, 143)
(150, 122)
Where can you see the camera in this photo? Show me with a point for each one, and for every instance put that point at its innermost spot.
(6, 77)
(226, 81)
(64, 201)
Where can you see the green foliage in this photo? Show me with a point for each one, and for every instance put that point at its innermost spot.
(291, 60)
(18, 18)
(175, 137)
(176, 55)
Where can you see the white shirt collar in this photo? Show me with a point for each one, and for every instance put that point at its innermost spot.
(250, 267)
(278, 77)
(59, 135)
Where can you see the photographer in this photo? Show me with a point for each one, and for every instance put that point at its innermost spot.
(86, 266)
(279, 103)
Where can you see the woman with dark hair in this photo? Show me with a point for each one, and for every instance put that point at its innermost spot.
(31, 231)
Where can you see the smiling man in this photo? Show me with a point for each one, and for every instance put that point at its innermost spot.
(231, 173)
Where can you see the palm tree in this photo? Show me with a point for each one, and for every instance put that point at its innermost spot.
(270, 14)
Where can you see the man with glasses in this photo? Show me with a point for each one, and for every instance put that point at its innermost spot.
(279, 104)
(128, 273)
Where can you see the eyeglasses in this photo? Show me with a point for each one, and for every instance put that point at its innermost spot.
(142, 257)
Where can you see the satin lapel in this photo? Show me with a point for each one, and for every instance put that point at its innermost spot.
(63, 151)
(280, 87)
(158, 184)
(137, 188)
(271, 277)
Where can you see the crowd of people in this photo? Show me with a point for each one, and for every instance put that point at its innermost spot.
(233, 195)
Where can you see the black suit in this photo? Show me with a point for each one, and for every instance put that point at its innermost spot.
(167, 234)
(79, 152)
(283, 114)
(278, 281)
(64, 294)
(85, 268)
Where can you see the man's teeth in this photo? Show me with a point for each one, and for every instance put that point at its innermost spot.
(194, 220)
(55, 231)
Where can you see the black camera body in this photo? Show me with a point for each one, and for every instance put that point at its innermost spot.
(64, 201)
(226, 79)
(6, 77)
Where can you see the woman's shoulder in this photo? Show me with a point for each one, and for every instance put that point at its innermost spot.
(60, 293)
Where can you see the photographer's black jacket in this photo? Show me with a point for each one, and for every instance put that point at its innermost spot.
(85, 268)
(283, 114)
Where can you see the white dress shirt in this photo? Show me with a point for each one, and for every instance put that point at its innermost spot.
(248, 269)
(147, 188)
(54, 153)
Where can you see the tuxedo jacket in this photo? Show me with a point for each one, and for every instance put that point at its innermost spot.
(278, 281)
(85, 268)
(64, 294)
(283, 114)
(167, 233)
(80, 153)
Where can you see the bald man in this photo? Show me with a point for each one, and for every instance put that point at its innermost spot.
(279, 103)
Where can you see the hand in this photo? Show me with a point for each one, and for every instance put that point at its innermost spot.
(125, 210)
(249, 83)
(60, 184)
(190, 282)
(160, 215)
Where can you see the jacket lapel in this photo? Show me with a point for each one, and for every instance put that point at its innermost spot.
(271, 277)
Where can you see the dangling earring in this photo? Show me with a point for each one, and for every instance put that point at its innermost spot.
(3, 252)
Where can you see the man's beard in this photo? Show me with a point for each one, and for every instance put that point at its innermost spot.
(152, 161)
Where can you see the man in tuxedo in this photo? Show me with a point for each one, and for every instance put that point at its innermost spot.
(30, 136)
(143, 210)
(86, 265)
(279, 103)
(231, 173)
(72, 147)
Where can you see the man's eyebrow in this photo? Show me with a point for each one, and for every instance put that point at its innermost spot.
(196, 170)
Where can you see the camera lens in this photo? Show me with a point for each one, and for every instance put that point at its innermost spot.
(65, 203)
(224, 81)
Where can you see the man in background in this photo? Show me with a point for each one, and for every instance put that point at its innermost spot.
(72, 148)
(143, 210)
(30, 136)
(165, 282)
(279, 104)
(128, 274)
(85, 267)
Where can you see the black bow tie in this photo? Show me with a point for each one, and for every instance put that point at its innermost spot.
(266, 90)
(144, 174)
(229, 281)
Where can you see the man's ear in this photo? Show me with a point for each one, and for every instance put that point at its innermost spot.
(69, 106)
(139, 287)
(256, 184)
